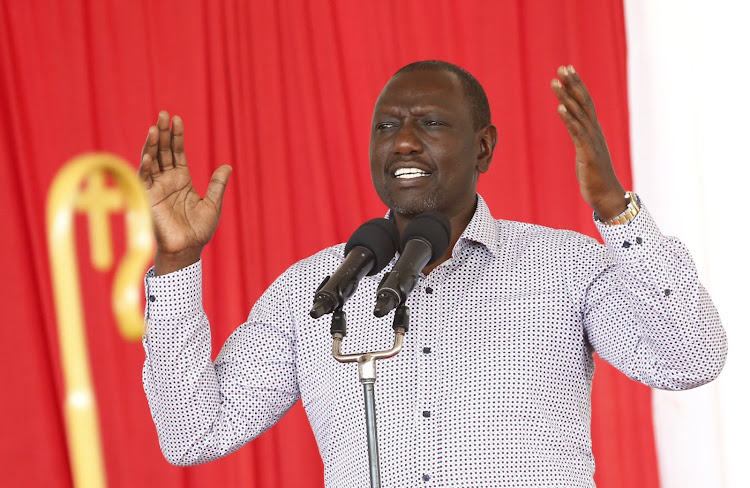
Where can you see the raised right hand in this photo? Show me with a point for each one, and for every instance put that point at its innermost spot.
(183, 221)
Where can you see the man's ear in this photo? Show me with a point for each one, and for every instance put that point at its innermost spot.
(487, 141)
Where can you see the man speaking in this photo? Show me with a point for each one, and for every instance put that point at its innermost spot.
(493, 385)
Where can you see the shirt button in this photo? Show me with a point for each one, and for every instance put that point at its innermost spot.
(426, 413)
(425, 477)
(151, 298)
(428, 290)
(426, 350)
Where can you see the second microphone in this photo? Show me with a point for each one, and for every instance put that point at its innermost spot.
(424, 241)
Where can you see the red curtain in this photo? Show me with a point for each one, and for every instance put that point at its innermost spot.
(283, 91)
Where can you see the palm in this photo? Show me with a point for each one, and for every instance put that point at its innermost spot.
(182, 219)
(184, 222)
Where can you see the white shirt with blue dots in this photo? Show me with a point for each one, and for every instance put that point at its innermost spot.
(493, 385)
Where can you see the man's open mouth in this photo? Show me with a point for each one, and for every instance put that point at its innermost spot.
(408, 173)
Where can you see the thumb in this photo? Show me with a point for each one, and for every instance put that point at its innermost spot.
(218, 184)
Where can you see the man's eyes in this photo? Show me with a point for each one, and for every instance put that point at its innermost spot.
(384, 125)
(426, 123)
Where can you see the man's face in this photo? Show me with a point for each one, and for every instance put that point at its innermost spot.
(424, 152)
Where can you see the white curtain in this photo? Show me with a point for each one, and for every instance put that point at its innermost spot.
(689, 79)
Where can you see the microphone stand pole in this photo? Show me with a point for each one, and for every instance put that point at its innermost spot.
(366, 366)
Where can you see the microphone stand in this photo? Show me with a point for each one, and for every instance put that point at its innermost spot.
(366, 366)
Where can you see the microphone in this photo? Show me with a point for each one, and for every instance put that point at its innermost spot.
(368, 250)
(425, 240)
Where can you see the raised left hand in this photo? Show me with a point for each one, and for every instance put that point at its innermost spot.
(600, 188)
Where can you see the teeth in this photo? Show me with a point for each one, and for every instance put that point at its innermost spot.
(410, 173)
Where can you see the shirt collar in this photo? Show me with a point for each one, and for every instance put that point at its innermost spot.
(482, 229)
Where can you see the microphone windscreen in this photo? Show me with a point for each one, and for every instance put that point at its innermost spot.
(380, 236)
(432, 227)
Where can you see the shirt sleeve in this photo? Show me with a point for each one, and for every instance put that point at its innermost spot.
(646, 312)
(204, 409)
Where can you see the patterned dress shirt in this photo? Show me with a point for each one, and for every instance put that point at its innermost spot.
(493, 385)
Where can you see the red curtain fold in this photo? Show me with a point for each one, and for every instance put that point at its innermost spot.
(283, 91)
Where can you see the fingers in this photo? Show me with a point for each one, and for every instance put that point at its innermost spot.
(144, 174)
(215, 191)
(149, 165)
(574, 126)
(164, 154)
(575, 129)
(164, 148)
(151, 144)
(576, 88)
(574, 96)
(178, 142)
(148, 170)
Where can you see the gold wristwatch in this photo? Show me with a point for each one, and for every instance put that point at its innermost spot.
(634, 206)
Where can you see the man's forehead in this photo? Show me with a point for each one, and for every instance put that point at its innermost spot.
(414, 85)
(422, 78)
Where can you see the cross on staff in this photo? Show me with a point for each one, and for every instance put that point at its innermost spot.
(99, 201)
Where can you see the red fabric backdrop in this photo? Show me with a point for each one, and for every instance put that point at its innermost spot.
(283, 91)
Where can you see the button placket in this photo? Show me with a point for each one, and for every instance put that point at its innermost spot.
(438, 302)
(429, 382)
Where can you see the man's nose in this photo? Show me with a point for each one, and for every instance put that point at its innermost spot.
(407, 140)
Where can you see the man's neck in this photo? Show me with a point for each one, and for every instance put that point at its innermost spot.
(458, 223)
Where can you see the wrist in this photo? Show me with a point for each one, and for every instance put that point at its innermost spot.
(609, 204)
(165, 263)
(632, 207)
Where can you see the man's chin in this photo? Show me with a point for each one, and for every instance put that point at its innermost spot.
(412, 207)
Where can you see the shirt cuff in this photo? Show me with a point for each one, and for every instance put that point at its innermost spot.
(628, 242)
(174, 295)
